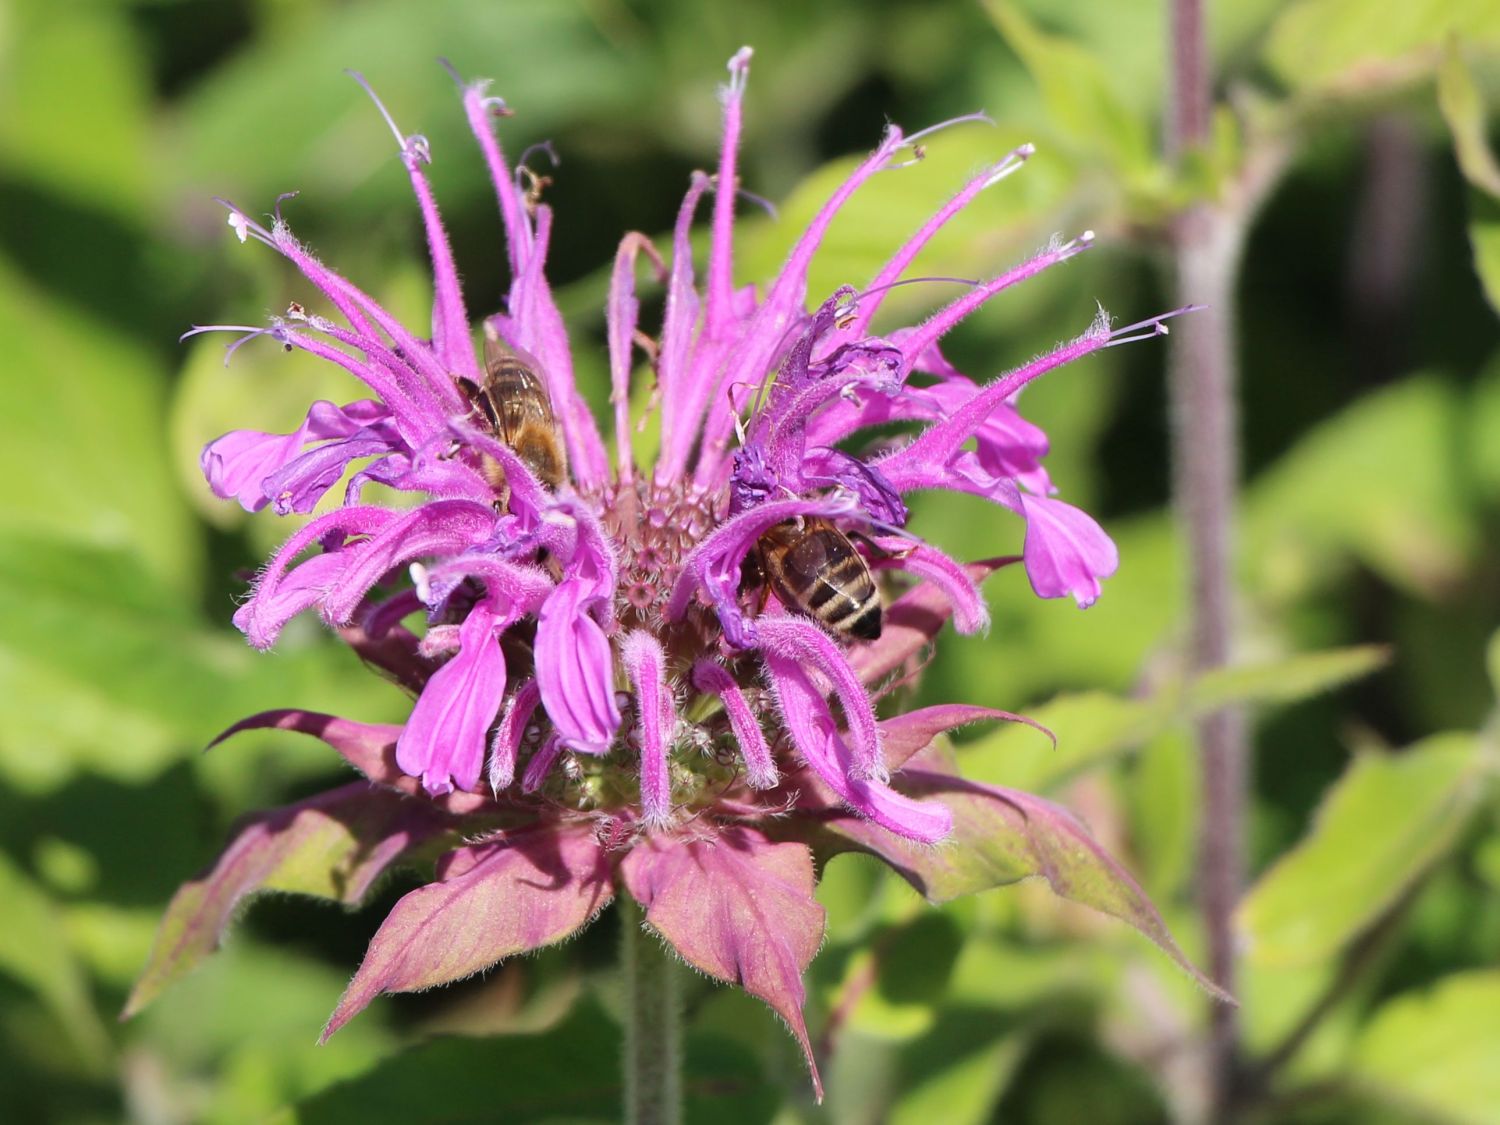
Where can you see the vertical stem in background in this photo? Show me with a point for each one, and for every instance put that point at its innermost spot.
(653, 1054)
(1205, 468)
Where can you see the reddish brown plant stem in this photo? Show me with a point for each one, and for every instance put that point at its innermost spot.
(1205, 458)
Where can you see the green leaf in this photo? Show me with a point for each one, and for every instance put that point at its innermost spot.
(569, 1073)
(1340, 492)
(235, 1041)
(1464, 110)
(282, 113)
(119, 677)
(1297, 677)
(1381, 826)
(1094, 726)
(1076, 85)
(85, 437)
(958, 1072)
(31, 952)
(1343, 47)
(1002, 836)
(74, 103)
(1434, 1051)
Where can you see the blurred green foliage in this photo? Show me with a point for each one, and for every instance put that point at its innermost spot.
(1372, 517)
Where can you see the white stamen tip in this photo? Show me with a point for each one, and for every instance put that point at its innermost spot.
(1086, 237)
(1026, 150)
(240, 224)
(421, 581)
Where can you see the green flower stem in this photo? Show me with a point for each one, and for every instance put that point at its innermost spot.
(653, 1025)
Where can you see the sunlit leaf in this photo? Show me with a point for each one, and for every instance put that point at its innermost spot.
(1384, 823)
(1463, 108)
(85, 437)
(119, 676)
(1077, 86)
(1341, 492)
(1093, 726)
(1434, 1051)
(284, 107)
(74, 104)
(1297, 677)
(1334, 46)
(1002, 836)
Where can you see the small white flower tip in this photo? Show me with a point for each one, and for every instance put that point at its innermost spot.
(1086, 237)
(1026, 150)
(240, 224)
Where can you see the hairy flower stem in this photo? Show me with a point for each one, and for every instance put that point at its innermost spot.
(653, 1027)
(1205, 457)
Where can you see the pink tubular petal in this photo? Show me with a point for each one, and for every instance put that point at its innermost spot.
(443, 740)
(738, 908)
(824, 749)
(530, 888)
(541, 764)
(970, 614)
(772, 320)
(891, 272)
(936, 327)
(439, 527)
(518, 236)
(622, 315)
(676, 361)
(539, 329)
(236, 464)
(270, 606)
(575, 669)
(932, 450)
(505, 747)
(797, 639)
(760, 767)
(646, 665)
(1065, 551)
(720, 312)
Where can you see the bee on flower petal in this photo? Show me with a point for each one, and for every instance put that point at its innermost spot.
(815, 570)
(513, 406)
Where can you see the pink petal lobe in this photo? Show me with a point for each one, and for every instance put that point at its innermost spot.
(519, 892)
(368, 747)
(738, 908)
(902, 736)
(333, 846)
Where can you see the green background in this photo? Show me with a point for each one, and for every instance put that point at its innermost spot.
(1371, 516)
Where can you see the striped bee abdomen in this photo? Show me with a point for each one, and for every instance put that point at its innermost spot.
(815, 570)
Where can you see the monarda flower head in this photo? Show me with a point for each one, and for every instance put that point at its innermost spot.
(650, 680)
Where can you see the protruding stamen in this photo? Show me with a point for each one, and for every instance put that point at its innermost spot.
(1154, 327)
(414, 149)
(739, 72)
(919, 150)
(1014, 161)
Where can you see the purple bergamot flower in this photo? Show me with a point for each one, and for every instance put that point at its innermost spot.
(653, 680)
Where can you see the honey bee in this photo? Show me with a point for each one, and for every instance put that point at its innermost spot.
(514, 408)
(814, 569)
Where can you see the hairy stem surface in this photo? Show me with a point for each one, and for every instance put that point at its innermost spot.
(653, 1031)
(1205, 448)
